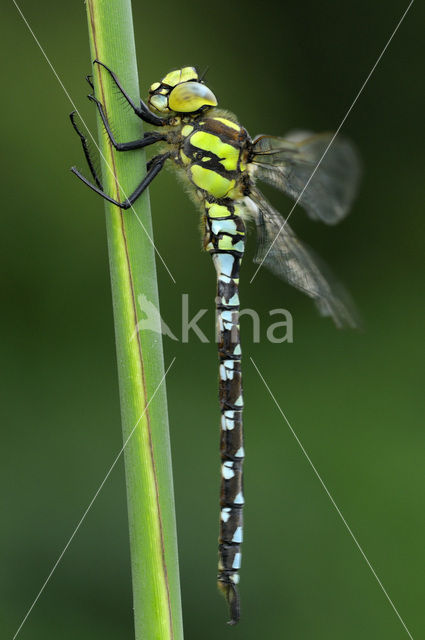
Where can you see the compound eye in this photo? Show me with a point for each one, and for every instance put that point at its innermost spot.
(191, 96)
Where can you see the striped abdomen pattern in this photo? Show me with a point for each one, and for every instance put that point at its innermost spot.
(225, 239)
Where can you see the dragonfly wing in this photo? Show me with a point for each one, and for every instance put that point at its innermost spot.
(280, 251)
(288, 164)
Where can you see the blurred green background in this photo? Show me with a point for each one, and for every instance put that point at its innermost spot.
(354, 399)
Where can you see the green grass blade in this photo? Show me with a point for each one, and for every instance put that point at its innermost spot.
(153, 540)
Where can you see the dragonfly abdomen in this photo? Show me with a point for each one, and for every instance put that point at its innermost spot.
(225, 240)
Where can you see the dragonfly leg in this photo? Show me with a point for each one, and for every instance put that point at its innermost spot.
(149, 138)
(143, 110)
(86, 151)
(153, 168)
(89, 79)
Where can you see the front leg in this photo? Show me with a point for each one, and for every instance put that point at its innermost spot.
(148, 138)
(143, 110)
(154, 166)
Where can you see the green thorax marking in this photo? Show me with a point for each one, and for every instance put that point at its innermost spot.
(214, 151)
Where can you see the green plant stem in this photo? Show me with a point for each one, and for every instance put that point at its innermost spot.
(153, 539)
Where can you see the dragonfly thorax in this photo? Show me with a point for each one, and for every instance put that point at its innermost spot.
(213, 150)
(181, 91)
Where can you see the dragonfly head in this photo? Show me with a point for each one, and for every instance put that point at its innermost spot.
(181, 91)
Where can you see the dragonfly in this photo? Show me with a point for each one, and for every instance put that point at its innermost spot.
(221, 164)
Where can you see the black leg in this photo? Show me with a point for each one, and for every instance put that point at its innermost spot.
(143, 111)
(89, 79)
(86, 151)
(149, 138)
(154, 167)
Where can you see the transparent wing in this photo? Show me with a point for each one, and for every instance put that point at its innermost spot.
(280, 251)
(287, 163)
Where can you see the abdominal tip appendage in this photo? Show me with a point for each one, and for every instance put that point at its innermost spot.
(234, 604)
(231, 594)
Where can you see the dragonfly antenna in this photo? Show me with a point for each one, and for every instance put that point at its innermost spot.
(204, 73)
